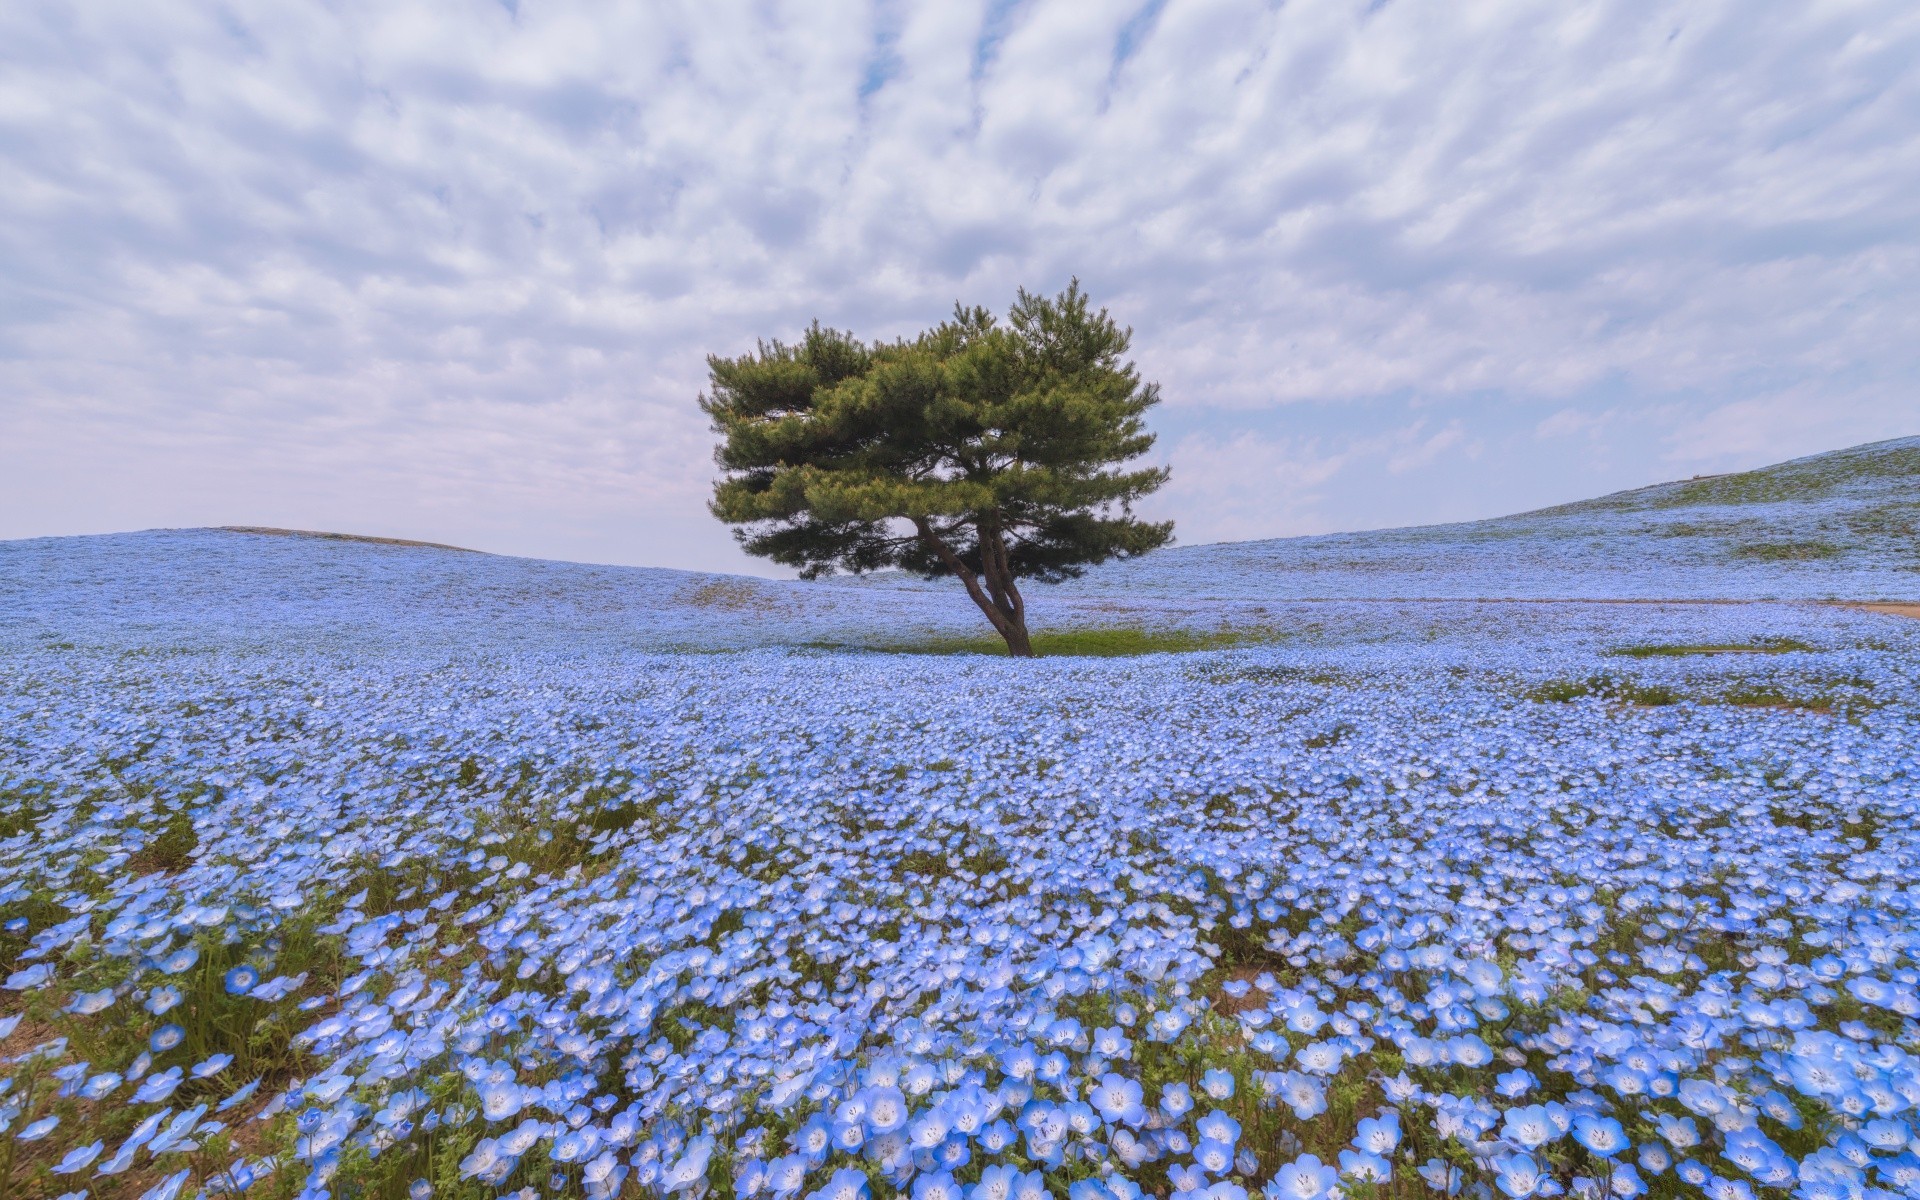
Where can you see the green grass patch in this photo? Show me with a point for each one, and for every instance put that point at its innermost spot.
(1656, 650)
(1622, 691)
(1109, 642)
(1787, 551)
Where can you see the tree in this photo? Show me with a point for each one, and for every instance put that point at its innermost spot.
(992, 453)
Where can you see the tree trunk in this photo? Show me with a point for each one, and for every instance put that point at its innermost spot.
(1005, 609)
(1006, 593)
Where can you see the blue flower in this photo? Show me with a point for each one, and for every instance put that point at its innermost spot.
(1601, 1135)
(1175, 1100)
(1378, 1135)
(936, 1186)
(1529, 1126)
(1305, 1178)
(1518, 1175)
(846, 1184)
(1357, 1164)
(36, 1130)
(241, 979)
(1118, 1099)
(89, 1003)
(886, 1109)
(1217, 1084)
(179, 961)
(78, 1157)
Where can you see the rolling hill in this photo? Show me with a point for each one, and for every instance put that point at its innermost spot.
(1843, 525)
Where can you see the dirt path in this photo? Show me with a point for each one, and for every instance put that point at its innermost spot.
(1897, 610)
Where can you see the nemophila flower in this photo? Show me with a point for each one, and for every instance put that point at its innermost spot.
(78, 1158)
(1112, 1042)
(1718, 1188)
(937, 1186)
(156, 1088)
(29, 977)
(1176, 1100)
(241, 979)
(996, 1137)
(1218, 1126)
(35, 1130)
(179, 961)
(1378, 1135)
(170, 1187)
(239, 1097)
(162, 999)
(1514, 1084)
(1306, 1096)
(176, 1130)
(88, 1003)
(845, 1184)
(1680, 1132)
(995, 1183)
(481, 1160)
(691, 1166)
(1518, 1175)
(1305, 1178)
(1218, 1084)
(814, 1139)
(500, 1101)
(1441, 1176)
(1360, 1165)
(1213, 1156)
(1600, 1135)
(886, 1109)
(1529, 1126)
(166, 1038)
(786, 1175)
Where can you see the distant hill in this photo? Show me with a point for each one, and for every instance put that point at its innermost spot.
(1843, 525)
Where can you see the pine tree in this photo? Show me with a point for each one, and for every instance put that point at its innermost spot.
(991, 453)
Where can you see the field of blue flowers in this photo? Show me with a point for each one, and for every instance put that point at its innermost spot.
(578, 885)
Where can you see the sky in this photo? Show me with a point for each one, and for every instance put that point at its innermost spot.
(450, 269)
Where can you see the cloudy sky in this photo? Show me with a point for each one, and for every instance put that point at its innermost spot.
(449, 269)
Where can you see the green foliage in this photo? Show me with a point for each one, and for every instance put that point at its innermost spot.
(1624, 691)
(1662, 650)
(989, 452)
(1108, 642)
(1787, 551)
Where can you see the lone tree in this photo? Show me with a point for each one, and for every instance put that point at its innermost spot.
(990, 452)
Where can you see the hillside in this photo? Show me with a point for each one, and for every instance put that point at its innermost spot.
(1843, 525)
(1833, 526)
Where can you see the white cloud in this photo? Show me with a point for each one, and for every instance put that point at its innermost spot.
(453, 265)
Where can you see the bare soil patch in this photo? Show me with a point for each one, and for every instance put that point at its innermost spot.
(1897, 610)
(343, 537)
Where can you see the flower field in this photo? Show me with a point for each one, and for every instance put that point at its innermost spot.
(1469, 899)
(1840, 525)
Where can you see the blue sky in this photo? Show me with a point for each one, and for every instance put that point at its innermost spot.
(449, 269)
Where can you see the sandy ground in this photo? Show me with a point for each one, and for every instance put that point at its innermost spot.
(1898, 610)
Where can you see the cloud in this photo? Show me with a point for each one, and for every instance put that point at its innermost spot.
(450, 268)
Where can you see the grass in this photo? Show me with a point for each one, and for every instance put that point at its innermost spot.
(1829, 697)
(1108, 642)
(1658, 650)
(1803, 479)
(1624, 691)
(1787, 551)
